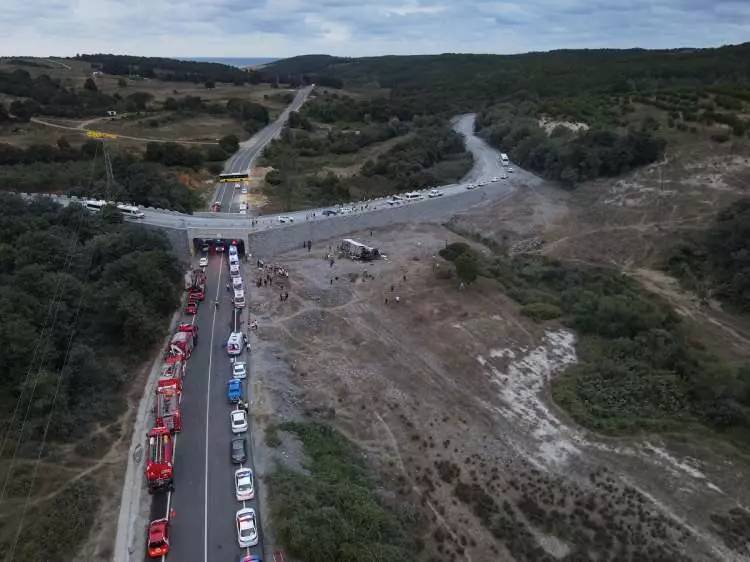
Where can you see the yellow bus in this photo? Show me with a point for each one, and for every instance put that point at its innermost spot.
(234, 177)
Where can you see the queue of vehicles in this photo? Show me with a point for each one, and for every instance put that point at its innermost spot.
(160, 443)
(246, 523)
(168, 418)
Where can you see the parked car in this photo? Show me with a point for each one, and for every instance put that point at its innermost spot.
(234, 390)
(435, 193)
(203, 262)
(158, 538)
(285, 218)
(244, 485)
(239, 370)
(238, 450)
(329, 212)
(239, 421)
(471, 186)
(247, 530)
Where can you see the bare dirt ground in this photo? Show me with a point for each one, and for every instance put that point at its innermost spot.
(446, 390)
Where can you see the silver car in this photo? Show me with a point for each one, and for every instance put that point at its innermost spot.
(247, 529)
(244, 485)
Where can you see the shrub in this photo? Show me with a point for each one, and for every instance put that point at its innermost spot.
(540, 311)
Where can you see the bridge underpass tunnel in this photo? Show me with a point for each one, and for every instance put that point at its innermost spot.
(205, 246)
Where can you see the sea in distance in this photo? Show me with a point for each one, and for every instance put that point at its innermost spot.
(240, 62)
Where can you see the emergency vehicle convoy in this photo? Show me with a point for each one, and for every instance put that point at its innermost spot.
(167, 410)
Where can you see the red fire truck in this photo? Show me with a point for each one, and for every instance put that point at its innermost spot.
(168, 408)
(190, 329)
(159, 468)
(180, 347)
(172, 374)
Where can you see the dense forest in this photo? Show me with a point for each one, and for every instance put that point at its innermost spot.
(145, 181)
(83, 302)
(638, 368)
(171, 69)
(462, 82)
(563, 155)
(716, 263)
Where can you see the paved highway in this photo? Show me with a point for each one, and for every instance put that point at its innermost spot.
(486, 166)
(203, 503)
(243, 159)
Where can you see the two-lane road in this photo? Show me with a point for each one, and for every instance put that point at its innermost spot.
(204, 503)
(244, 158)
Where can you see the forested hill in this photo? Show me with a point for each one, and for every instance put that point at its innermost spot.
(170, 69)
(461, 80)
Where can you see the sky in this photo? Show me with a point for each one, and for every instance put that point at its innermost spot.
(282, 28)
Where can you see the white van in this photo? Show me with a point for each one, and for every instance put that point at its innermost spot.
(232, 250)
(234, 259)
(237, 283)
(413, 196)
(234, 269)
(504, 159)
(239, 298)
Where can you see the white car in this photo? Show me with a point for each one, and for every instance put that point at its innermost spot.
(247, 530)
(244, 190)
(471, 186)
(504, 176)
(203, 262)
(235, 343)
(243, 206)
(286, 219)
(243, 212)
(495, 179)
(510, 170)
(239, 370)
(435, 193)
(244, 487)
(239, 421)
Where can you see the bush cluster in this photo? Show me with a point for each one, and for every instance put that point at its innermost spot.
(333, 514)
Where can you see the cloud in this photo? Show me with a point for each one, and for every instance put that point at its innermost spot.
(357, 28)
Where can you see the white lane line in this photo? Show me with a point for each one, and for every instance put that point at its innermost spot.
(208, 412)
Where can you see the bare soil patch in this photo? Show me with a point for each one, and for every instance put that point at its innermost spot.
(446, 392)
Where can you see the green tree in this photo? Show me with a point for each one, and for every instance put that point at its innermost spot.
(90, 85)
(229, 143)
(467, 268)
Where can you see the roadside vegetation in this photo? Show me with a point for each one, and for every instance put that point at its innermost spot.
(114, 287)
(333, 513)
(62, 169)
(340, 148)
(716, 263)
(638, 367)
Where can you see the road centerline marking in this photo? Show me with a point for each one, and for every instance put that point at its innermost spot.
(208, 416)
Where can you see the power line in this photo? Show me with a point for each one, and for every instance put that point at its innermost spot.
(47, 330)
